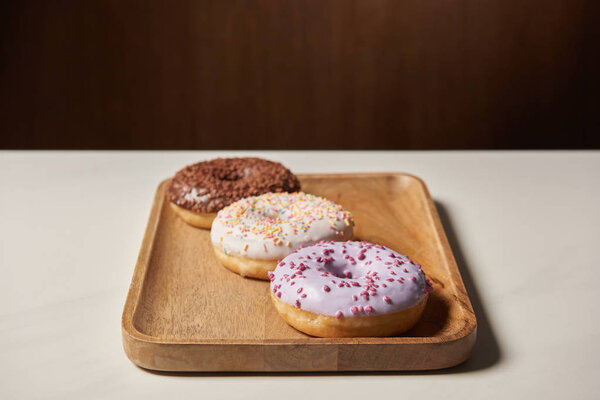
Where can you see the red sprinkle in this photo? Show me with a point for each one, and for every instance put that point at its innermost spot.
(368, 309)
(326, 288)
(339, 314)
(387, 299)
(354, 310)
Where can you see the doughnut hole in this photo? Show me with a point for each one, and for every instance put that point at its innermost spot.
(229, 174)
(345, 270)
(272, 215)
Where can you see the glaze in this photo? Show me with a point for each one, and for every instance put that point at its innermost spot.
(273, 225)
(346, 279)
(208, 186)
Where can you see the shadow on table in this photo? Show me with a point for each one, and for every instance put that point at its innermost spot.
(486, 352)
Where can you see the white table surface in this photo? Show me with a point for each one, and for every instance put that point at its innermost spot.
(524, 226)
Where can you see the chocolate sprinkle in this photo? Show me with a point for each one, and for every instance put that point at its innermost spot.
(208, 186)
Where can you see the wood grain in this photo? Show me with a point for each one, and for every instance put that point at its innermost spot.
(186, 312)
(299, 74)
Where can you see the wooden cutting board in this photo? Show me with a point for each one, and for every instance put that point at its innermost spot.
(185, 312)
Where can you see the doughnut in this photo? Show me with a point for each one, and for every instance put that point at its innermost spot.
(198, 191)
(249, 236)
(349, 289)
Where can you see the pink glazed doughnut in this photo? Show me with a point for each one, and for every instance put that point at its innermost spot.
(349, 289)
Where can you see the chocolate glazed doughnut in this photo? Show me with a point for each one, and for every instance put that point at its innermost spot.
(199, 191)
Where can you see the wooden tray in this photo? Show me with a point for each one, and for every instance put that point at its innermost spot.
(185, 312)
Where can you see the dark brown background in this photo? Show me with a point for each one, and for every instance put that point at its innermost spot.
(307, 74)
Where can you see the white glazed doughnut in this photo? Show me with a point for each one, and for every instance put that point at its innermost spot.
(249, 236)
(347, 289)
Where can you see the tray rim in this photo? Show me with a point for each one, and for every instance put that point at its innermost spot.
(131, 334)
